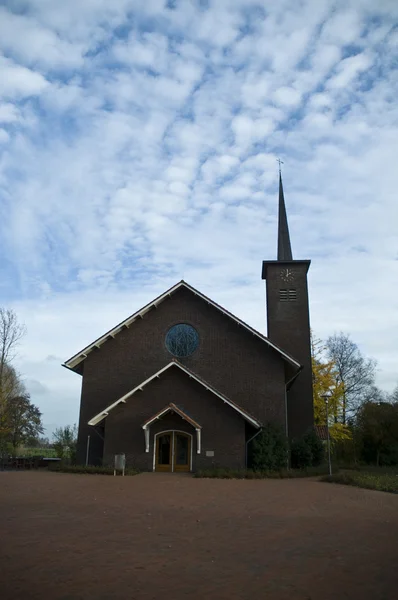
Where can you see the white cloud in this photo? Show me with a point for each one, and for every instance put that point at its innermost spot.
(131, 136)
(18, 82)
(178, 188)
(348, 69)
(218, 27)
(319, 101)
(181, 169)
(150, 51)
(324, 57)
(248, 130)
(4, 136)
(217, 167)
(287, 96)
(255, 91)
(343, 27)
(26, 40)
(8, 113)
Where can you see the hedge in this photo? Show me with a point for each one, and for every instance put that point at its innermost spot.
(87, 470)
(382, 482)
(219, 473)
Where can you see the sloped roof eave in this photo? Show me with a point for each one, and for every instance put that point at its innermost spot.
(73, 362)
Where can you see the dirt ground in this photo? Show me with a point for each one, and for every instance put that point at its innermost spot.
(157, 536)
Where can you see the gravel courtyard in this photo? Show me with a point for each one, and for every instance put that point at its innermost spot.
(157, 536)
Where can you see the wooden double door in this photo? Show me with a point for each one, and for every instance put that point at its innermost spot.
(173, 451)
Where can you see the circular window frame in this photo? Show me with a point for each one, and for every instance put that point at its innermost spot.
(181, 355)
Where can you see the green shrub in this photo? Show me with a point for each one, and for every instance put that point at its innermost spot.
(46, 452)
(310, 471)
(219, 473)
(301, 455)
(65, 443)
(383, 482)
(269, 449)
(307, 451)
(87, 470)
(346, 452)
(383, 470)
(316, 446)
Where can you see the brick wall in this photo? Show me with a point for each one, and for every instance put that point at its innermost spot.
(230, 358)
(223, 429)
(289, 327)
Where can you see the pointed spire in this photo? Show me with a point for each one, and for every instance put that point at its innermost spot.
(284, 247)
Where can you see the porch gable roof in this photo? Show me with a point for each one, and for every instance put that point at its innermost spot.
(172, 408)
(174, 363)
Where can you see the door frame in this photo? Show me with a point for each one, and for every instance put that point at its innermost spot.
(172, 432)
(164, 468)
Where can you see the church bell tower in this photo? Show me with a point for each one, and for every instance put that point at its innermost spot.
(288, 321)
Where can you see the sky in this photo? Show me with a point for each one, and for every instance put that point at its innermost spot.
(138, 147)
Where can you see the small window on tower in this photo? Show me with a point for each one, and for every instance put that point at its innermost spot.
(287, 295)
(283, 295)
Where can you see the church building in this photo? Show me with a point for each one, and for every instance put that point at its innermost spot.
(183, 384)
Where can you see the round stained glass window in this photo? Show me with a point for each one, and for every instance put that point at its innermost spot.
(182, 340)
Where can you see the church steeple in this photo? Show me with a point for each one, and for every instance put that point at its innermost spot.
(288, 322)
(284, 247)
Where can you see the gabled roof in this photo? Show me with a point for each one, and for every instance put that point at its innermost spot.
(104, 413)
(74, 362)
(172, 408)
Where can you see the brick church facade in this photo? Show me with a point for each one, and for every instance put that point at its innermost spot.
(183, 384)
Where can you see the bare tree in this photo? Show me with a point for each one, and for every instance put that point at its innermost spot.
(355, 372)
(394, 395)
(11, 333)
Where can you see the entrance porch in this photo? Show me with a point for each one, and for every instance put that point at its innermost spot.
(172, 446)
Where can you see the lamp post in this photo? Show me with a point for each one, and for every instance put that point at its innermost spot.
(326, 398)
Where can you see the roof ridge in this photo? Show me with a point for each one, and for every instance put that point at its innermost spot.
(79, 357)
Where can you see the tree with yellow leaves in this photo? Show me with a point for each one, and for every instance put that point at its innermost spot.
(326, 383)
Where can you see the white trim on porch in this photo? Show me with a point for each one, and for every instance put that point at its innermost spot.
(103, 414)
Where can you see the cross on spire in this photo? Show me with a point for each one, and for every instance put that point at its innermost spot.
(280, 162)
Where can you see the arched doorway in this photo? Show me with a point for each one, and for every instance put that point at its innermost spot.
(172, 451)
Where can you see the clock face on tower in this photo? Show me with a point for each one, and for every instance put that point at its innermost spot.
(287, 275)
